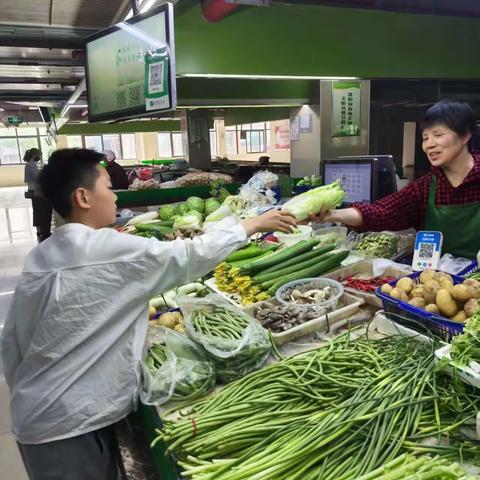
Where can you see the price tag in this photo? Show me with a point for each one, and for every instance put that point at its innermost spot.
(428, 250)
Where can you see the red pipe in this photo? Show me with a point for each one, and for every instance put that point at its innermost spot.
(215, 10)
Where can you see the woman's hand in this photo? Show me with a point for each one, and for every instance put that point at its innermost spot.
(271, 221)
(323, 216)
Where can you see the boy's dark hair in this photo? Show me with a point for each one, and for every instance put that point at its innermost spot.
(67, 170)
(457, 116)
(264, 160)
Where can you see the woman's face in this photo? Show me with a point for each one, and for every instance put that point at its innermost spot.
(442, 145)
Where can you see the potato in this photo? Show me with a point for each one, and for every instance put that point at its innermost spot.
(471, 307)
(427, 275)
(430, 291)
(418, 302)
(167, 320)
(432, 308)
(461, 293)
(151, 311)
(443, 275)
(445, 303)
(179, 328)
(446, 284)
(471, 282)
(399, 293)
(418, 291)
(461, 316)
(406, 284)
(386, 288)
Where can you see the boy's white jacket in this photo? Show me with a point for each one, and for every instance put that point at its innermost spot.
(73, 338)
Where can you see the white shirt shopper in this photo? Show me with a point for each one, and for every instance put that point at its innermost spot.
(74, 335)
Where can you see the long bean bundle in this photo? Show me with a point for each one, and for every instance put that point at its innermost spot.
(336, 413)
(236, 342)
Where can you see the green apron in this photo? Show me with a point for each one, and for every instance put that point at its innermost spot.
(459, 224)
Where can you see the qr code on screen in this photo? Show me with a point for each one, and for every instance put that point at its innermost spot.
(426, 250)
(121, 99)
(134, 95)
(155, 80)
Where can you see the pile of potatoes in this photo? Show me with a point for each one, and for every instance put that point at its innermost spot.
(436, 293)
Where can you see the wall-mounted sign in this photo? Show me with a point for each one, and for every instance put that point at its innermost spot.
(305, 123)
(15, 120)
(346, 109)
(282, 138)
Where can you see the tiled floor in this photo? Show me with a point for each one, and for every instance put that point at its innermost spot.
(17, 238)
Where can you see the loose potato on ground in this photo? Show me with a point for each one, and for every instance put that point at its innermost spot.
(461, 316)
(430, 291)
(399, 294)
(432, 308)
(427, 275)
(461, 293)
(418, 291)
(471, 307)
(445, 303)
(386, 288)
(417, 302)
(406, 284)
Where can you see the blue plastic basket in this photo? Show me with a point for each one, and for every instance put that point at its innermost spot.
(467, 271)
(413, 317)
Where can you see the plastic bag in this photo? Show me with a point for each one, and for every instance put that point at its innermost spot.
(187, 372)
(453, 265)
(263, 180)
(233, 358)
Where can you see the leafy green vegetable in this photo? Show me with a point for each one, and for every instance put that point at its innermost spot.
(187, 222)
(466, 347)
(329, 197)
(195, 203)
(182, 209)
(196, 213)
(166, 212)
(211, 205)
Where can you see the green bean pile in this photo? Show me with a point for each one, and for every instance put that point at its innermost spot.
(237, 343)
(220, 322)
(335, 413)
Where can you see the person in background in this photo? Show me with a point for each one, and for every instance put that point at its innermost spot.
(447, 199)
(264, 161)
(117, 173)
(42, 210)
(73, 337)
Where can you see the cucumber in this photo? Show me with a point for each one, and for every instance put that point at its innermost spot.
(269, 279)
(299, 258)
(290, 252)
(315, 271)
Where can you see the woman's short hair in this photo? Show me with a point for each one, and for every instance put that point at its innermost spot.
(457, 116)
(34, 154)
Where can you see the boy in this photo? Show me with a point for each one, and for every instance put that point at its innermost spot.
(73, 338)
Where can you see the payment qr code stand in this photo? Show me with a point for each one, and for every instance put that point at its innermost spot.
(157, 66)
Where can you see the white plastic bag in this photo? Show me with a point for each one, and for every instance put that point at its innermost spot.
(233, 358)
(187, 373)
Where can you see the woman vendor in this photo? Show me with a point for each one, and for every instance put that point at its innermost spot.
(447, 199)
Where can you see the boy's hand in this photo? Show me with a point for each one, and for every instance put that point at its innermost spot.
(271, 221)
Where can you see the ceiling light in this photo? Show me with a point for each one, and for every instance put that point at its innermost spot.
(265, 77)
(78, 106)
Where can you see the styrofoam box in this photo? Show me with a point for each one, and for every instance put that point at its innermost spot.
(365, 267)
(469, 374)
(347, 305)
